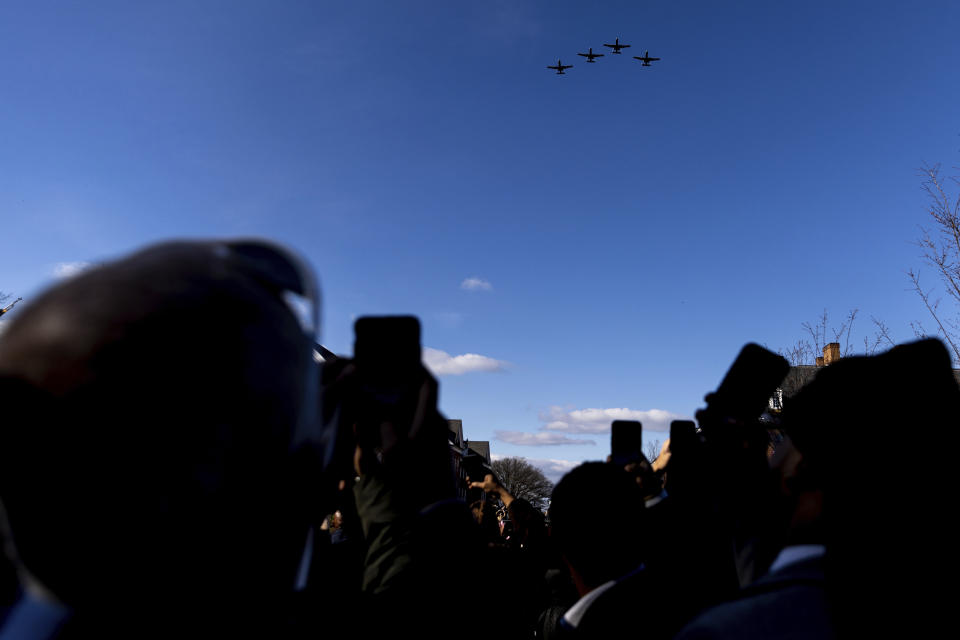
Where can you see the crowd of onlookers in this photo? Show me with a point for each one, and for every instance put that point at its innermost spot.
(177, 460)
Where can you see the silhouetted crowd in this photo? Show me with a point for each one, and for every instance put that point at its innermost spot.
(178, 458)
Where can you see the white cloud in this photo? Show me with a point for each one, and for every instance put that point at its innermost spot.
(554, 469)
(540, 439)
(68, 269)
(441, 363)
(598, 420)
(476, 284)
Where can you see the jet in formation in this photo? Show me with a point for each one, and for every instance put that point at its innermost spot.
(590, 55)
(616, 46)
(646, 59)
(560, 67)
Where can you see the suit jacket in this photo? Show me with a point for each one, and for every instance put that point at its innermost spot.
(627, 609)
(790, 603)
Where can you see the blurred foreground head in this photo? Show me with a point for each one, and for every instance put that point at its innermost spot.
(150, 406)
(879, 436)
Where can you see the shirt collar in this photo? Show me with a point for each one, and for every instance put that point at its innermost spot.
(649, 502)
(575, 613)
(796, 553)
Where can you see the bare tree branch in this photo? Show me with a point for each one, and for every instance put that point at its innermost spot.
(940, 248)
(799, 354)
(932, 308)
(523, 480)
(918, 330)
(653, 450)
(818, 332)
(846, 327)
(882, 336)
(805, 353)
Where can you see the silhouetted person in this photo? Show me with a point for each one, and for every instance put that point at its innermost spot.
(677, 563)
(689, 555)
(790, 601)
(862, 529)
(521, 562)
(424, 573)
(597, 523)
(888, 527)
(149, 472)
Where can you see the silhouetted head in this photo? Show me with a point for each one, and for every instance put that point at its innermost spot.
(850, 421)
(151, 408)
(596, 517)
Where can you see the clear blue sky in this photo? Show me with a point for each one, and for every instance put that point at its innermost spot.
(628, 229)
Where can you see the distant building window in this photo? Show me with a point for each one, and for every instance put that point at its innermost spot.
(776, 400)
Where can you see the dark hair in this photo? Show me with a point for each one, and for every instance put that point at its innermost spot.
(596, 520)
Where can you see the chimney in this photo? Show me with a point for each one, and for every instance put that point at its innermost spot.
(819, 361)
(831, 353)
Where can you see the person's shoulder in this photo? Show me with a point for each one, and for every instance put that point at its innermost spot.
(790, 603)
(804, 573)
(615, 610)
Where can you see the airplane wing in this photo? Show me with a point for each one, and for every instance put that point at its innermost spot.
(624, 46)
(610, 45)
(585, 55)
(566, 66)
(654, 59)
(551, 67)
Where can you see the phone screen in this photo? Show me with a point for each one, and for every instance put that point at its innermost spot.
(389, 371)
(626, 441)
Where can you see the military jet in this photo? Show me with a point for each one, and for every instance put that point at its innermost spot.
(591, 55)
(616, 46)
(646, 59)
(560, 67)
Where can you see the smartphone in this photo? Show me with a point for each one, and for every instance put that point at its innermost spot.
(683, 437)
(749, 383)
(390, 374)
(626, 442)
(386, 346)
